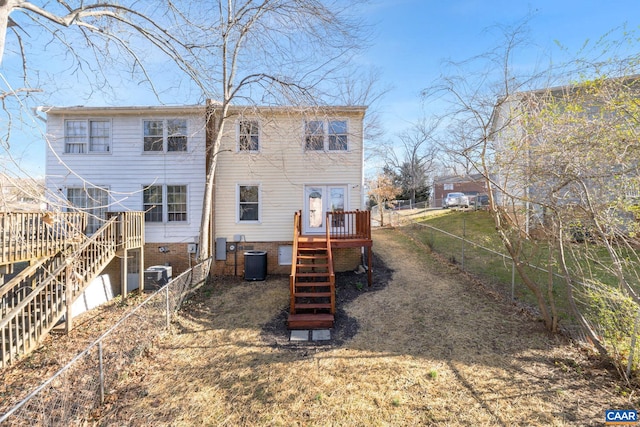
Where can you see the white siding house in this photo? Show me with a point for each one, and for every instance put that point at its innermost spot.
(273, 162)
(299, 160)
(97, 159)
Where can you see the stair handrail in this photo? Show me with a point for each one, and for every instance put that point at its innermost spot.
(69, 260)
(40, 233)
(296, 235)
(11, 284)
(294, 261)
(34, 328)
(29, 298)
(332, 275)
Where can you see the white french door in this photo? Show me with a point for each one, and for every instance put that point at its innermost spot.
(319, 199)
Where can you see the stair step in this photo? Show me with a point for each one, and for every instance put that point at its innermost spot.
(313, 306)
(312, 294)
(312, 284)
(312, 265)
(318, 274)
(310, 321)
(313, 256)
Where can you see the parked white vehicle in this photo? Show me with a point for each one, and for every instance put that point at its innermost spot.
(455, 200)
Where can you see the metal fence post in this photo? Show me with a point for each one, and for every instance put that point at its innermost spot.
(513, 279)
(633, 345)
(166, 287)
(464, 234)
(101, 370)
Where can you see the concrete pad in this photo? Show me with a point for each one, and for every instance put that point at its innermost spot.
(321, 335)
(299, 335)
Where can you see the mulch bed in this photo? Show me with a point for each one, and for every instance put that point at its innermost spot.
(349, 286)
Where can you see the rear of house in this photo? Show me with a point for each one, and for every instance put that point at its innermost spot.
(276, 161)
(117, 159)
(273, 162)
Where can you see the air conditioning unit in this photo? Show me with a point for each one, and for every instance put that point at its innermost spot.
(156, 277)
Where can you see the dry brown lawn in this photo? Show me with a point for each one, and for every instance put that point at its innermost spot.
(431, 348)
(424, 346)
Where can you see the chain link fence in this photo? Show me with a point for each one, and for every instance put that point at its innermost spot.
(613, 317)
(69, 396)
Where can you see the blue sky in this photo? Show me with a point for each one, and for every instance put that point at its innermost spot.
(414, 37)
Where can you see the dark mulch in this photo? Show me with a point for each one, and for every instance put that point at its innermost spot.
(349, 286)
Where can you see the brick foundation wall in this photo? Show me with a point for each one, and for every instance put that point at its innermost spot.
(234, 264)
(176, 256)
(344, 259)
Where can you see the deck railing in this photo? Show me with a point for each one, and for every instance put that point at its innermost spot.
(37, 298)
(297, 231)
(349, 225)
(33, 235)
(130, 229)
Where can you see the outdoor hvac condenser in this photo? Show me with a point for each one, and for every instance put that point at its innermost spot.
(156, 277)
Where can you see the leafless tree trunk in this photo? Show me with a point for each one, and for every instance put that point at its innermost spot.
(240, 52)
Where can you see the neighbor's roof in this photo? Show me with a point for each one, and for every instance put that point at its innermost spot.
(452, 179)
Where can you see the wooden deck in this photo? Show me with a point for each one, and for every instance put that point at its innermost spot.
(312, 279)
(62, 262)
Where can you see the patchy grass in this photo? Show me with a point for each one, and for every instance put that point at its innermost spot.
(430, 348)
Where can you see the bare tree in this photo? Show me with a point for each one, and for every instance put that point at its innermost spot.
(274, 51)
(417, 157)
(561, 163)
(240, 52)
(382, 190)
(471, 99)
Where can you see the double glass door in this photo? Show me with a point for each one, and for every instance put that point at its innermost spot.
(319, 199)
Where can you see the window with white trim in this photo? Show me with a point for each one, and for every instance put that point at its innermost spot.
(87, 136)
(165, 135)
(248, 203)
(165, 203)
(248, 135)
(152, 203)
(325, 135)
(176, 203)
(94, 201)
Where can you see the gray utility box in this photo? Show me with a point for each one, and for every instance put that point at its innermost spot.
(156, 277)
(255, 265)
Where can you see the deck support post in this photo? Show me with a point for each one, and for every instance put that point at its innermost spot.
(68, 298)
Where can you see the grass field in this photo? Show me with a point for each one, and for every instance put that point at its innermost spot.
(430, 348)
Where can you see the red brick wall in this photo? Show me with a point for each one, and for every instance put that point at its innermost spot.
(440, 193)
(177, 256)
(344, 259)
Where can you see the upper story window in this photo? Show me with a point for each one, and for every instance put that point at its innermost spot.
(248, 135)
(165, 135)
(325, 135)
(87, 136)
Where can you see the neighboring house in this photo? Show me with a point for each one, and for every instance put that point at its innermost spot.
(551, 145)
(21, 194)
(443, 185)
(273, 162)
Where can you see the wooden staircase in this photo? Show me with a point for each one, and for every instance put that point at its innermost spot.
(33, 302)
(312, 283)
